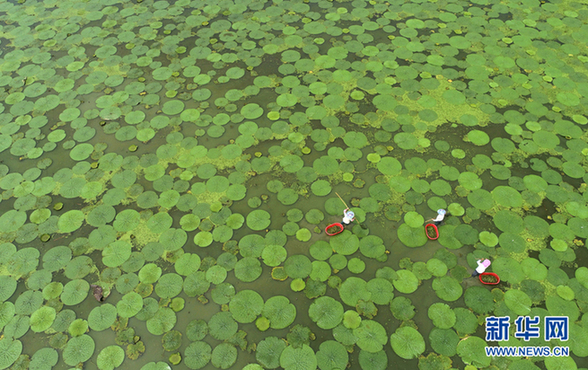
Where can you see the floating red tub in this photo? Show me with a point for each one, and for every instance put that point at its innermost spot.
(489, 278)
(334, 229)
(431, 231)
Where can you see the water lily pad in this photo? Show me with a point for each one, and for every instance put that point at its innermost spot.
(197, 355)
(354, 289)
(437, 267)
(345, 243)
(173, 107)
(407, 342)
(489, 239)
(557, 363)
(382, 291)
(110, 357)
(150, 273)
(351, 319)
(411, 236)
(74, 292)
(508, 269)
(101, 215)
(126, 220)
(251, 111)
(223, 293)
(325, 166)
(389, 166)
(258, 219)
(512, 243)
(129, 305)
(6, 312)
(321, 188)
(373, 361)
(372, 246)
(224, 356)
(42, 319)
(470, 181)
(479, 299)
(173, 239)
(442, 315)
(447, 288)
(508, 221)
(298, 266)
(481, 199)
(582, 276)
(18, 326)
(332, 355)
(471, 350)
(558, 306)
(320, 250)
(78, 349)
(251, 245)
(287, 196)
(102, 317)
(162, 322)
(222, 326)
(169, 285)
(196, 330)
(10, 350)
(298, 358)
(216, 274)
(7, 287)
(466, 322)
(371, 336)
(507, 196)
(326, 312)
(268, 352)
(246, 305)
(407, 282)
(413, 219)
(28, 302)
(115, 254)
(402, 308)
(280, 312)
(248, 269)
(565, 292)
(45, 357)
(478, 137)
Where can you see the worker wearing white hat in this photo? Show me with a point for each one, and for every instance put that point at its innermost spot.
(348, 216)
(439, 219)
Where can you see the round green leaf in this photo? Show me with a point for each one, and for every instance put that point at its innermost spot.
(110, 357)
(78, 349)
(298, 358)
(258, 219)
(407, 342)
(246, 305)
(326, 312)
(102, 317)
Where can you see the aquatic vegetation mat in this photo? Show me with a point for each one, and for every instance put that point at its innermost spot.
(168, 169)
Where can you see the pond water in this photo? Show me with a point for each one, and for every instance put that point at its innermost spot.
(168, 169)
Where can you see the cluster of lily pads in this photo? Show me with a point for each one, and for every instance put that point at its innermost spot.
(179, 161)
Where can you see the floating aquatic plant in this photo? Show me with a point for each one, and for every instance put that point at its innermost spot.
(155, 147)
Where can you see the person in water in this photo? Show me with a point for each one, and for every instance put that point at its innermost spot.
(348, 216)
(439, 219)
(482, 266)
